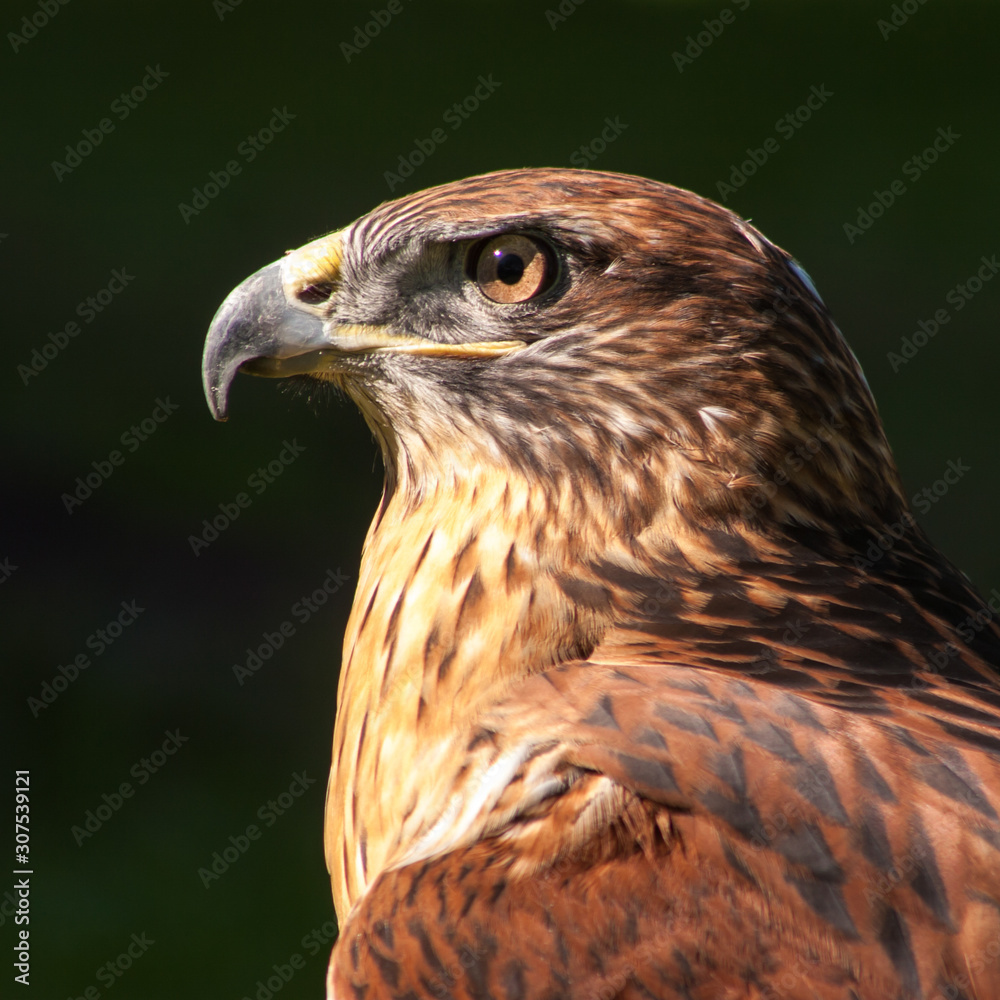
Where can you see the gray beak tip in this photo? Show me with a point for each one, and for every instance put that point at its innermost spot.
(216, 391)
(219, 406)
(239, 331)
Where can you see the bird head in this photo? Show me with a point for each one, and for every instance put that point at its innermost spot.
(613, 335)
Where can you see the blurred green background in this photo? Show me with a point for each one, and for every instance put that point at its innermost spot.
(562, 70)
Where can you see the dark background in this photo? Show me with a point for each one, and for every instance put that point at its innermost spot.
(172, 669)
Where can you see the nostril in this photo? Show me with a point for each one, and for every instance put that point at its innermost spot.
(315, 294)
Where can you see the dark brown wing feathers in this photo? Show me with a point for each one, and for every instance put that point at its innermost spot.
(770, 842)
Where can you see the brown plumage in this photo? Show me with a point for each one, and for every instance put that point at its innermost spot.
(652, 687)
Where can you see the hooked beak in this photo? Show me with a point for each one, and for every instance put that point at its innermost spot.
(277, 323)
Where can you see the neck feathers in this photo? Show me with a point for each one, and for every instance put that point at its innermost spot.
(458, 596)
(471, 583)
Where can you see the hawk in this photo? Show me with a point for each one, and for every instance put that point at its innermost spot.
(653, 687)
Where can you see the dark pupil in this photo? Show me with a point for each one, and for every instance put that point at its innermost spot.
(510, 268)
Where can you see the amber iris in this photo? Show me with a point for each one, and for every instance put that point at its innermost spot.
(513, 268)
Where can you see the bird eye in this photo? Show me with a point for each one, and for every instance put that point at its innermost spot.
(513, 268)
